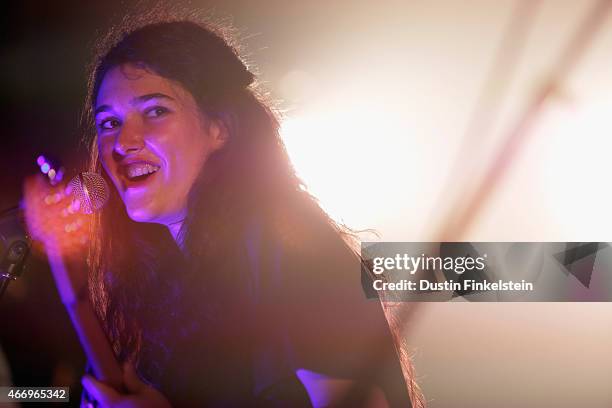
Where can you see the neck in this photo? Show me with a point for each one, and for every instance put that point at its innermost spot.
(175, 230)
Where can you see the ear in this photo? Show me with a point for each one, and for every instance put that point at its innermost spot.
(218, 132)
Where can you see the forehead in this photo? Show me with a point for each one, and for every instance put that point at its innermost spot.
(127, 81)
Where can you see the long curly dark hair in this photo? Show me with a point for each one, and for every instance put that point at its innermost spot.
(151, 296)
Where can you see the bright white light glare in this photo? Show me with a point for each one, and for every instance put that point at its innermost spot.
(357, 161)
(576, 170)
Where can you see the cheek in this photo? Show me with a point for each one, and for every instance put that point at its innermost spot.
(198, 156)
(105, 151)
(188, 154)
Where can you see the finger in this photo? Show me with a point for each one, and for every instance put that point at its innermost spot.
(29, 186)
(85, 402)
(100, 392)
(31, 205)
(75, 205)
(39, 196)
(131, 380)
(32, 190)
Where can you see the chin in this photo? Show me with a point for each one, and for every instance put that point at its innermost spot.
(152, 215)
(142, 215)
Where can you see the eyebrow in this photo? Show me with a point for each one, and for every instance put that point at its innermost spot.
(136, 101)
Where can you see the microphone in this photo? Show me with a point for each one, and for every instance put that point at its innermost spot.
(91, 190)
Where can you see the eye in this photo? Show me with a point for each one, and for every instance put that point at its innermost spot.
(109, 124)
(156, 112)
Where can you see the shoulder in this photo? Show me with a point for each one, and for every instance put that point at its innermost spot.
(310, 287)
(304, 254)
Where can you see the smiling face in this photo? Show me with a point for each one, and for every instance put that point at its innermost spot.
(153, 140)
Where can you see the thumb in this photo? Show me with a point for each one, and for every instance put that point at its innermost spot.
(100, 392)
(132, 382)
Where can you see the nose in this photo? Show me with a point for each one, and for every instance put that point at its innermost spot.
(130, 138)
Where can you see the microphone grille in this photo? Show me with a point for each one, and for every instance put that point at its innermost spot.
(91, 190)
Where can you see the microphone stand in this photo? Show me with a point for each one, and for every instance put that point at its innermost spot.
(14, 247)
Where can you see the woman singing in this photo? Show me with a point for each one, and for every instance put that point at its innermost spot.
(217, 278)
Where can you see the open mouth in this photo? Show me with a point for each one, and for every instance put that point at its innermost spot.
(139, 172)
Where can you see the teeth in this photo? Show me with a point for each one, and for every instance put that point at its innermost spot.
(139, 169)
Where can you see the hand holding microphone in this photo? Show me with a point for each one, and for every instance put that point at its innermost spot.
(58, 216)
